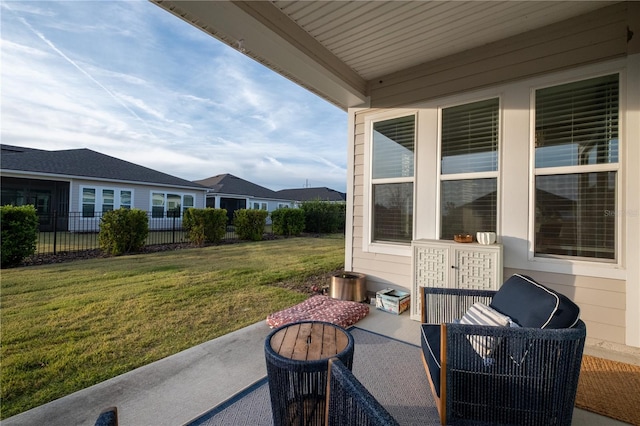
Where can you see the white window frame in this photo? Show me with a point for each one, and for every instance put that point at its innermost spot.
(98, 203)
(368, 245)
(165, 193)
(580, 265)
(470, 175)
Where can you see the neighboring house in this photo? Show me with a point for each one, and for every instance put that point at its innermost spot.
(300, 195)
(232, 193)
(516, 117)
(86, 183)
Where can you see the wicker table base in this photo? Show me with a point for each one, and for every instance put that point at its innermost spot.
(297, 358)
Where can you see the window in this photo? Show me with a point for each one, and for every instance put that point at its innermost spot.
(469, 144)
(88, 202)
(108, 200)
(125, 200)
(170, 205)
(157, 205)
(98, 199)
(576, 164)
(174, 205)
(188, 202)
(392, 175)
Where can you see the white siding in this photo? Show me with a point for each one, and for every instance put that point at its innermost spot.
(606, 293)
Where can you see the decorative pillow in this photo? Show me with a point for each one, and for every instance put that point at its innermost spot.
(531, 304)
(481, 314)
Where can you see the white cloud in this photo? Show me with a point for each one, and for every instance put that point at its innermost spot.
(130, 80)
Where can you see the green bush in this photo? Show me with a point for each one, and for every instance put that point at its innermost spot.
(323, 217)
(123, 231)
(205, 225)
(250, 223)
(19, 233)
(287, 221)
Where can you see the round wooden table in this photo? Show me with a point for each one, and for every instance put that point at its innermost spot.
(297, 357)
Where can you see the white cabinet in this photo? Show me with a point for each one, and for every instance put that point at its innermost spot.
(442, 263)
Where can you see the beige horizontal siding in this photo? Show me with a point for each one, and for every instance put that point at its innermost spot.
(382, 270)
(589, 38)
(602, 301)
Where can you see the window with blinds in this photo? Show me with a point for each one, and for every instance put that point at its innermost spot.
(470, 137)
(88, 202)
(108, 200)
(576, 165)
(393, 147)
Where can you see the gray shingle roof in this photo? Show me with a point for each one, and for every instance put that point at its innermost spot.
(311, 194)
(84, 163)
(233, 185)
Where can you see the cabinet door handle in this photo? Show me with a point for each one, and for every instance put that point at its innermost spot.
(454, 267)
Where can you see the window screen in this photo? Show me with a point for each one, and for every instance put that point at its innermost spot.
(393, 147)
(469, 168)
(577, 123)
(470, 137)
(468, 206)
(577, 127)
(88, 202)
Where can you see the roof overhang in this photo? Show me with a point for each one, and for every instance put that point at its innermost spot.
(349, 52)
(259, 30)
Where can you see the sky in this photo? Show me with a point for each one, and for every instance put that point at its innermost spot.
(130, 80)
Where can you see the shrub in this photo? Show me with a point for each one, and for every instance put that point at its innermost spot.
(250, 223)
(205, 225)
(324, 217)
(287, 221)
(123, 231)
(19, 233)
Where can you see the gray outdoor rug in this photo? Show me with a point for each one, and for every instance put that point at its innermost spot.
(390, 369)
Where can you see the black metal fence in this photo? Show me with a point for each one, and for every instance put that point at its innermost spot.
(74, 232)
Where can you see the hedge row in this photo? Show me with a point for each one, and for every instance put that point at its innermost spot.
(126, 230)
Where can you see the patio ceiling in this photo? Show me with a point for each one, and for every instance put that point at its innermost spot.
(337, 49)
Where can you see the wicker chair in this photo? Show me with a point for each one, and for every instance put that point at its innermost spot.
(108, 417)
(530, 378)
(349, 403)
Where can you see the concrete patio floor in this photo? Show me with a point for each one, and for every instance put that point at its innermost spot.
(177, 389)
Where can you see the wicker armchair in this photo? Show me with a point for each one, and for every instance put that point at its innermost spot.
(349, 403)
(530, 377)
(108, 417)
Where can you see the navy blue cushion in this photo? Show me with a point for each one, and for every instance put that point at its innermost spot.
(109, 417)
(430, 341)
(531, 304)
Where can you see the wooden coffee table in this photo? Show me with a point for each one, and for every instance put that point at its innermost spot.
(297, 357)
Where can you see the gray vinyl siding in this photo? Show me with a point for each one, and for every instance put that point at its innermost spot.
(594, 37)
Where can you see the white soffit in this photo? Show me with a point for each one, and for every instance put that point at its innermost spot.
(376, 38)
(333, 48)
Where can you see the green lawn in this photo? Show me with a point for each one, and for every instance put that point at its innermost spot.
(68, 326)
